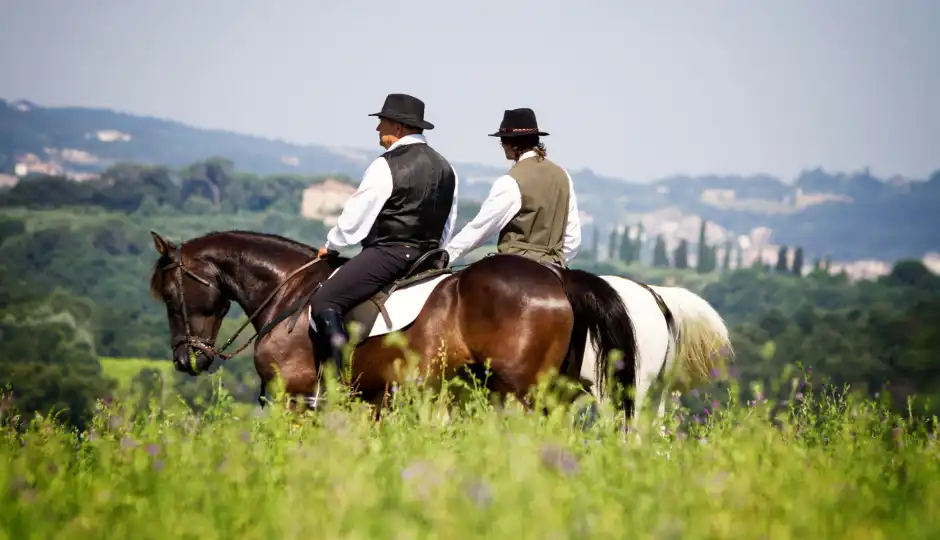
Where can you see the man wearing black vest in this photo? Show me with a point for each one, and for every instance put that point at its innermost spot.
(405, 206)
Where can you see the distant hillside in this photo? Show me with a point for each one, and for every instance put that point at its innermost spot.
(849, 216)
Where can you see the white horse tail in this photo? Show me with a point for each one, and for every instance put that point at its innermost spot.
(703, 343)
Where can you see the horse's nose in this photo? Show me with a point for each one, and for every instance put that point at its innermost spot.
(181, 360)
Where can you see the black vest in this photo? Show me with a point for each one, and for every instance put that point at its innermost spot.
(415, 214)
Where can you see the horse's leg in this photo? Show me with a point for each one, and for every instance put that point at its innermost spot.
(289, 355)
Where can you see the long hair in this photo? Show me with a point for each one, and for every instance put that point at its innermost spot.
(521, 145)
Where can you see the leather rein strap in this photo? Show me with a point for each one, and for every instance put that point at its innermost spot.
(207, 346)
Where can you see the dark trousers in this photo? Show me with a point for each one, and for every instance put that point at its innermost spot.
(364, 275)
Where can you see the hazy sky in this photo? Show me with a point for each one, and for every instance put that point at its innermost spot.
(637, 90)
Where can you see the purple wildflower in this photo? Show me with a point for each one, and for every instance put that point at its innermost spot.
(422, 476)
(153, 450)
(480, 493)
(714, 405)
(799, 396)
(558, 458)
(127, 442)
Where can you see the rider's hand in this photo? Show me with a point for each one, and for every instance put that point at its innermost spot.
(324, 252)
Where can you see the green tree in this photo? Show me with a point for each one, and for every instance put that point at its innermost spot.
(911, 273)
(781, 266)
(595, 244)
(726, 262)
(612, 244)
(680, 256)
(638, 244)
(701, 265)
(49, 361)
(798, 261)
(660, 256)
(626, 246)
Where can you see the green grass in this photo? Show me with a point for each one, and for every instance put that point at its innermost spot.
(123, 370)
(830, 469)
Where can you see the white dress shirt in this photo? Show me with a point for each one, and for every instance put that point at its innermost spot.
(363, 207)
(501, 205)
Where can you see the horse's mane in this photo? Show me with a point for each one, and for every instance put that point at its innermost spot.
(267, 241)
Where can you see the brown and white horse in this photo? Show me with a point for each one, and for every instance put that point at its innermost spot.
(523, 318)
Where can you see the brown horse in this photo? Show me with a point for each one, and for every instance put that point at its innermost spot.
(526, 318)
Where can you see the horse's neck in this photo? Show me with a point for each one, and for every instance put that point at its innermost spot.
(251, 286)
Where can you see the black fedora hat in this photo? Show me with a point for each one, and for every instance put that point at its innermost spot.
(405, 109)
(518, 123)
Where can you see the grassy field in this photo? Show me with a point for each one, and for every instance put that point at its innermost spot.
(824, 469)
(123, 370)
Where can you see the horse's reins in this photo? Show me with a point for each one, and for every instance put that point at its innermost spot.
(207, 346)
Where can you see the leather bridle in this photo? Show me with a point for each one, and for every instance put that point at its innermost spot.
(207, 345)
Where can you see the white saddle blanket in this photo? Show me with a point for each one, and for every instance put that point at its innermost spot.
(403, 306)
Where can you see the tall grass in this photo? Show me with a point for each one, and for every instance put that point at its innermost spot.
(824, 466)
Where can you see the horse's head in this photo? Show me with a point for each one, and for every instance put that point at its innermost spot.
(189, 286)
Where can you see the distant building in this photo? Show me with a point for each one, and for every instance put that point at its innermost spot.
(324, 201)
(111, 135)
(8, 180)
(932, 262)
(31, 164)
(862, 269)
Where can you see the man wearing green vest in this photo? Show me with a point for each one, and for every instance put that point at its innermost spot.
(533, 207)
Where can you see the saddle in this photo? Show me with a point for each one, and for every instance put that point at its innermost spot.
(430, 265)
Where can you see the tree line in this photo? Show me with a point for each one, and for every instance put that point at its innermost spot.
(629, 245)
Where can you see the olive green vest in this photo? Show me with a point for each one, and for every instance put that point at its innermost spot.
(538, 229)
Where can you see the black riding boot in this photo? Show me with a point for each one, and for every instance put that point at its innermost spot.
(332, 336)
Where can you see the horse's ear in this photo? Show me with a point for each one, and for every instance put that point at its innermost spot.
(163, 247)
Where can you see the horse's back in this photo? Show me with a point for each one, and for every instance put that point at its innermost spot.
(521, 276)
